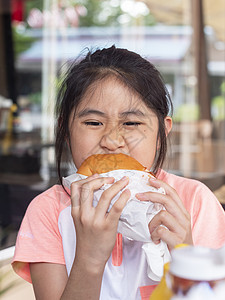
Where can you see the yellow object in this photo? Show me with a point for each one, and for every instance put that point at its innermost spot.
(162, 291)
(7, 141)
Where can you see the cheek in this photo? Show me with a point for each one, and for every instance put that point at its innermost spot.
(82, 146)
(133, 138)
(142, 145)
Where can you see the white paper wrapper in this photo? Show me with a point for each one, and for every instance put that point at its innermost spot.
(135, 216)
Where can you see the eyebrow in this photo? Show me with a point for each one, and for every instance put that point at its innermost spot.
(87, 112)
(135, 112)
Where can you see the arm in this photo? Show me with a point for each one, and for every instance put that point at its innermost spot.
(50, 280)
(96, 231)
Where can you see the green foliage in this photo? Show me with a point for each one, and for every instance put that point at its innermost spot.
(109, 13)
(99, 13)
(21, 42)
(222, 88)
(218, 105)
(35, 98)
(190, 111)
(218, 108)
(187, 112)
(33, 4)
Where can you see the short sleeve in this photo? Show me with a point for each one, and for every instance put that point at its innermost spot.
(208, 219)
(39, 239)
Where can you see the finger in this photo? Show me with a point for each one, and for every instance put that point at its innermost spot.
(181, 216)
(169, 204)
(168, 221)
(168, 190)
(87, 190)
(75, 189)
(170, 200)
(163, 218)
(109, 194)
(118, 206)
(181, 232)
(162, 233)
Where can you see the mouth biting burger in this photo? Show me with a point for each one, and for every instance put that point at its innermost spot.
(103, 163)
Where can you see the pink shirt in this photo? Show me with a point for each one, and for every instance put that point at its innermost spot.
(47, 234)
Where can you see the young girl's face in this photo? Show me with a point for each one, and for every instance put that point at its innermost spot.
(111, 118)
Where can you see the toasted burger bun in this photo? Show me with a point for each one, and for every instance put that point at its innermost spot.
(103, 163)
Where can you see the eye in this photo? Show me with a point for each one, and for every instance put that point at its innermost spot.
(92, 123)
(132, 123)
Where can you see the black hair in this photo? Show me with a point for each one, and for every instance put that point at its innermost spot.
(133, 70)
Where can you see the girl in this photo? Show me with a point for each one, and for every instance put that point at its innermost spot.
(112, 101)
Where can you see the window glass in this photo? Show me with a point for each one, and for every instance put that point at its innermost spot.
(38, 38)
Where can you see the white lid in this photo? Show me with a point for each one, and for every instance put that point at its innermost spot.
(198, 263)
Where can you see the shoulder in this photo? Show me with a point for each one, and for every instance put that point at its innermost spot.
(183, 184)
(193, 193)
(51, 201)
(39, 235)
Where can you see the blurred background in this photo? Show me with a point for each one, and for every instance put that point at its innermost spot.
(185, 39)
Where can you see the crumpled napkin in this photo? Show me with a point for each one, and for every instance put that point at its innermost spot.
(136, 215)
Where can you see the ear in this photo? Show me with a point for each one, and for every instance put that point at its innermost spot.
(168, 124)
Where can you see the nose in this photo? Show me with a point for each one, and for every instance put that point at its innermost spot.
(112, 140)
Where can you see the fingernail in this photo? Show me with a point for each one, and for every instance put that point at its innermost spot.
(124, 178)
(95, 175)
(141, 196)
(127, 191)
(111, 178)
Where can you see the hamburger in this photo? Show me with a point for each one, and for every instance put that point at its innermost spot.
(103, 163)
(136, 215)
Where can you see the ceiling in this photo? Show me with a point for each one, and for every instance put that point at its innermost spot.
(177, 12)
